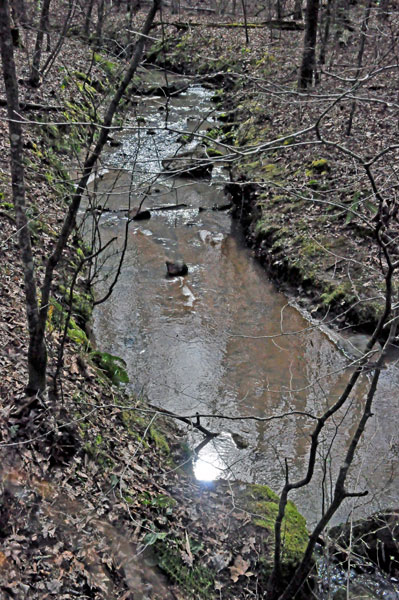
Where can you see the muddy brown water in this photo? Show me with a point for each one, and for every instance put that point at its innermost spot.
(222, 341)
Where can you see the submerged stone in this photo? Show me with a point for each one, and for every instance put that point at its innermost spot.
(176, 269)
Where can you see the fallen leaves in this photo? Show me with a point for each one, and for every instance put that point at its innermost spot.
(240, 567)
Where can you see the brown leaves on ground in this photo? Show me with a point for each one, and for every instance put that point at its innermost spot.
(240, 567)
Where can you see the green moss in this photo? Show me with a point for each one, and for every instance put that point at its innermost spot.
(85, 89)
(131, 420)
(106, 65)
(313, 184)
(264, 503)
(110, 366)
(99, 455)
(161, 502)
(82, 302)
(213, 152)
(272, 171)
(336, 294)
(259, 492)
(320, 166)
(195, 581)
(6, 205)
(77, 335)
(309, 248)
(159, 441)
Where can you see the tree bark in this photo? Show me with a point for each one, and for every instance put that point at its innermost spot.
(18, 11)
(308, 65)
(86, 30)
(37, 354)
(326, 33)
(298, 10)
(363, 38)
(100, 23)
(34, 78)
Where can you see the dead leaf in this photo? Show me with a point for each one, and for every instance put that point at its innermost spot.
(54, 586)
(240, 567)
(187, 555)
(3, 561)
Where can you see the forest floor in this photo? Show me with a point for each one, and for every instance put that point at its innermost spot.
(91, 478)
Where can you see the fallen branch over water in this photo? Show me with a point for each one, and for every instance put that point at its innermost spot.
(195, 423)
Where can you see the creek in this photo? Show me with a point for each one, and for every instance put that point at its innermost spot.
(222, 340)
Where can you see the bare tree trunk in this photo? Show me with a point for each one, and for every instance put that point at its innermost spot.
(100, 23)
(34, 78)
(133, 6)
(341, 14)
(86, 29)
(51, 58)
(18, 11)
(363, 37)
(37, 354)
(175, 7)
(47, 31)
(308, 65)
(298, 10)
(326, 33)
(244, 12)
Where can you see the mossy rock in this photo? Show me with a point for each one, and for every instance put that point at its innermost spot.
(272, 171)
(319, 166)
(263, 504)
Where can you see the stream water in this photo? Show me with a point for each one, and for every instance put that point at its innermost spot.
(222, 341)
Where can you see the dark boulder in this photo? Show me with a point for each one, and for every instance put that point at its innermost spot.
(375, 538)
(139, 215)
(176, 269)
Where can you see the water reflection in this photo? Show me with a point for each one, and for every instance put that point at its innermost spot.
(223, 342)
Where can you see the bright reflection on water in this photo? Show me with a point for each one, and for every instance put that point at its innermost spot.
(222, 341)
(213, 460)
